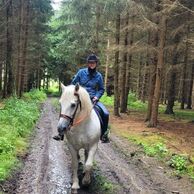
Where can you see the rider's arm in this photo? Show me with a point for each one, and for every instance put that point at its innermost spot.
(76, 78)
(100, 91)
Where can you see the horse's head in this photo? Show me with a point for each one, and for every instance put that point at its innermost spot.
(73, 102)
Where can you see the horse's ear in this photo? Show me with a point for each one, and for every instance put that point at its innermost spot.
(63, 87)
(77, 87)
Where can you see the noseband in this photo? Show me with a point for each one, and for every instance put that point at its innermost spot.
(71, 119)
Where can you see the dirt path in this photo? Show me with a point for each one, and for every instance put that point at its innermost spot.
(47, 168)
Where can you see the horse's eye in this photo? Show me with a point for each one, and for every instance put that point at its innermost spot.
(73, 105)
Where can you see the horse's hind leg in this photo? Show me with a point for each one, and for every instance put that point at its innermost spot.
(74, 155)
(88, 165)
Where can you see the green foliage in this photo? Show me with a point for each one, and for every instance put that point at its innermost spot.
(17, 119)
(190, 170)
(135, 104)
(102, 184)
(138, 105)
(131, 98)
(7, 163)
(107, 100)
(5, 145)
(35, 95)
(178, 162)
(184, 114)
(158, 149)
(154, 146)
(53, 91)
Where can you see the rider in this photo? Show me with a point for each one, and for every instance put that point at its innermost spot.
(92, 81)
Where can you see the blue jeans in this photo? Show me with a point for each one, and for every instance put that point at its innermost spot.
(104, 116)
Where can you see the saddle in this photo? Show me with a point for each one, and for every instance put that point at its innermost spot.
(100, 115)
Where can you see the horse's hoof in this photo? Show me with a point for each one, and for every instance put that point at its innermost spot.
(73, 191)
(75, 186)
(86, 180)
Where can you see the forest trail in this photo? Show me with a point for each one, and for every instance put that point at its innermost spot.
(47, 168)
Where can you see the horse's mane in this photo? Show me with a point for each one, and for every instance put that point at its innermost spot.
(85, 99)
(86, 103)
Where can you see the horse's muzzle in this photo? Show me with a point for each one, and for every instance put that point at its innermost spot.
(63, 127)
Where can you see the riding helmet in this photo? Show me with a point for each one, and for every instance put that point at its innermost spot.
(92, 58)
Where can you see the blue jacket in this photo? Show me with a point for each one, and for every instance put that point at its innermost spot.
(94, 85)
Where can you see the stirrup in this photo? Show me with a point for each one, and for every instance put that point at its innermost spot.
(105, 139)
(58, 137)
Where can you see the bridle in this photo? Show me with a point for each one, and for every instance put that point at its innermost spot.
(71, 119)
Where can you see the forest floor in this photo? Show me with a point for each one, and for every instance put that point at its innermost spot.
(121, 167)
(178, 135)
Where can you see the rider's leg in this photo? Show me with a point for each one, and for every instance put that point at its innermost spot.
(104, 136)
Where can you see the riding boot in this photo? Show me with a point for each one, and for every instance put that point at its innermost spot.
(105, 139)
(58, 137)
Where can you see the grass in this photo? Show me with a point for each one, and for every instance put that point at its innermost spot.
(53, 90)
(17, 118)
(102, 184)
(136, 105)
(154, 144)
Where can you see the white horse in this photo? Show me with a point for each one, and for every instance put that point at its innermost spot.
(80, 123)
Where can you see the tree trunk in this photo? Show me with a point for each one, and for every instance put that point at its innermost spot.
(160, 65)
(124, 68)
(20, 48)
(139, 79)
(129, 64)
(183, 93)
(98, 9)
(172, 80)
(193, 96)
(189, 100)
(24, 70)
(153, 40)
(145, 75)
(9, 58)
(116, 68)
(8, 75)
(107, 65)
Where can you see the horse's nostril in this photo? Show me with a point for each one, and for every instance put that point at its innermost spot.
(61, 128)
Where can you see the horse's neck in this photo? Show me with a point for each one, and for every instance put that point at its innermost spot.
(83, 115)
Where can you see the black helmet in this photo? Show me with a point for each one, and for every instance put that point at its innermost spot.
(92, 58)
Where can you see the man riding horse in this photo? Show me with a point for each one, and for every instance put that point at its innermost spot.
(92, 81)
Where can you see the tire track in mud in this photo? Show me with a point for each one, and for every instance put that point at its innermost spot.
(47, 168)
(118, 168)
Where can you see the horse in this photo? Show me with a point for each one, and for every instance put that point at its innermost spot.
(81, 126)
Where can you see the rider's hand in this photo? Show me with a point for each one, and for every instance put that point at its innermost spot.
(95, 99)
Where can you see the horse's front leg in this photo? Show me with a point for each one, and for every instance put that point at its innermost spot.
(89, 163)
(74, 155)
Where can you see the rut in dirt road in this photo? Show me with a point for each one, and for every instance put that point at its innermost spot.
(134, 173)
(47, 169)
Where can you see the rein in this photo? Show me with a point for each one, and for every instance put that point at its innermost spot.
(71, 119)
